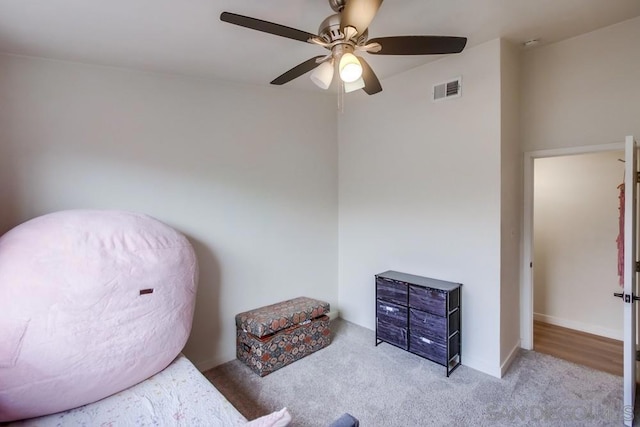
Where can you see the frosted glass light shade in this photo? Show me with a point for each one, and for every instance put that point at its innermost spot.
(323, 75)
(353, 86)
(350, 68)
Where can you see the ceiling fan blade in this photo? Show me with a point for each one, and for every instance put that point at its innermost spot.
(371, 83)
(266, 27)
(359, 14)
(419, 45)
(297, 71)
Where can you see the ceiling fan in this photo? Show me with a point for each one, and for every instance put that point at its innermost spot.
(344, 34)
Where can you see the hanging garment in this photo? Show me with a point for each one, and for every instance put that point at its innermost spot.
(620, 239)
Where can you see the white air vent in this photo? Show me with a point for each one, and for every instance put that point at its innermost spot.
(446, 90)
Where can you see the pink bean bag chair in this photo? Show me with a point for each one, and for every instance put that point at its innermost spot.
(91, 303)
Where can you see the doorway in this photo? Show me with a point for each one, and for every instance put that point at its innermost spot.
(568, 282)
(576, 224)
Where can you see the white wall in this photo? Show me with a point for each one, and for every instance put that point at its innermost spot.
(511, 203)
(582, 91)
(420, 189)
(576, 225)
(248, 173)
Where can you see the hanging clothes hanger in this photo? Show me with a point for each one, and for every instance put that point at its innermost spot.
(621, 185)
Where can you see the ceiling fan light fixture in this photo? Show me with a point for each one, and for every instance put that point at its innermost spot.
(353, 86)
(350, 68)
(323, 75)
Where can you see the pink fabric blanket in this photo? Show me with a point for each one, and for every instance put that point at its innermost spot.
(620, 239)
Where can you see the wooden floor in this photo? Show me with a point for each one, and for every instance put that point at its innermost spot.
(604, 354)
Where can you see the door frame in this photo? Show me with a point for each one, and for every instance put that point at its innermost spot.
(630, 275)
(526, 269)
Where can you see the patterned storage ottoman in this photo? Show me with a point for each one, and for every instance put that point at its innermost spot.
(271, 337)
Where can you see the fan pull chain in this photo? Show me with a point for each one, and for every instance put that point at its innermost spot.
(341, 98)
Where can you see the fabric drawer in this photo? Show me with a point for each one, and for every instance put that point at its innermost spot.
(392, 334)
(430, 300)
(454, 299)
(428, 325)
(391, 290)
(454, 322)
(454, 344)
(428, 348)
(392, 314)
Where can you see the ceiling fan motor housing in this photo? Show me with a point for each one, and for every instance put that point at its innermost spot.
(330, 31)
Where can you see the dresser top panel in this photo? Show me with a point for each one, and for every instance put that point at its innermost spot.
(419, 280)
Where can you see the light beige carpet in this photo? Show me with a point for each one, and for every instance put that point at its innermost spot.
(386, 386)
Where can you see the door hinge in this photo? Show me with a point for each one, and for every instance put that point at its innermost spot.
(637, 177)
(637, 266)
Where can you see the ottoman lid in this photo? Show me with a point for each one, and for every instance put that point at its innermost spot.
(276, 317)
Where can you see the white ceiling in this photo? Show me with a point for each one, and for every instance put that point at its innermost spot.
(186, 36)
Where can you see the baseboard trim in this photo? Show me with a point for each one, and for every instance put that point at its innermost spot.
(481, 366)
(579, 326)
(205, 365)
(509, 360)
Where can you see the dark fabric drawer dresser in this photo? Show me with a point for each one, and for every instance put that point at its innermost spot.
(421, 315)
